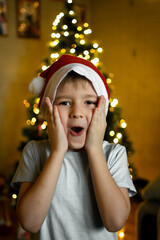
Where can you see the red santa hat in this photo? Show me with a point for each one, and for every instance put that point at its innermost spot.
(47, 83)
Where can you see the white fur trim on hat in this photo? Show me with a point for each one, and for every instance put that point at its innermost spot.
(36, 85)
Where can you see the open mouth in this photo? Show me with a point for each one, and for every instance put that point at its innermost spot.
(77, 131)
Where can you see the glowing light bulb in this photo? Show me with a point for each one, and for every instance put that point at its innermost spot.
(119, 135)
(63, 50)
(114, 102)
(95, 45)
(95, 61)
(77, 35)
(112, 133)
(121, 234)
(71, 12)
(87, 31)
(36, 110)
(74, 21)
(33, 119)
(82, 42)
(86, 52)
(44, 67)
(123, 123)
(72, 50)
(85, 24)
(69, 1)
(66, 34)
(65, 27)
(100, 50)
(115, 140)
(14, 196)
(109, 80)
(79, 28)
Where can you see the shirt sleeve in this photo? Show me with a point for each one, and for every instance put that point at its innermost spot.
(118, 166)
(27, 170)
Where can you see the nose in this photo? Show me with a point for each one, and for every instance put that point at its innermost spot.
(76, 112)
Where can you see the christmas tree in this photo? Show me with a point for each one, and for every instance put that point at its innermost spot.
(69, 36)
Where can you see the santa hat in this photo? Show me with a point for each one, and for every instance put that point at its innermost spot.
(47, 83)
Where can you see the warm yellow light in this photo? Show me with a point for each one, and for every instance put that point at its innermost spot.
(86, 52)
(63, 50)
(53, 35)
(87, 31)
(95, 61)
(82, 42)
(85, 24)
(100, 50)
(121, 234)
(54, 28)
(65, 27)
(81, 36)
(87, 57)
(95, 45)
(54, 43)
(123, 123)
(109, 80)
(69, 1)
(28, 122)
(74, 21)
(119, 135)
(33, 119)
(71, 12)
(76, 35)
(36, 110)
(14, 196)
(79, 28)
(112, 133)
(37, 100)
(115, 140)
(43, 126)
(92, 50)
(114, 102)
(66, 34)
(72, 50)
(54, 55)
(44, 67)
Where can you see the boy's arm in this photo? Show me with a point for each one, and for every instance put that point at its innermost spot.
(113, 202)
(35, 198)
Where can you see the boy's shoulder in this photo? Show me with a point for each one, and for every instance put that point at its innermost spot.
(112, 146)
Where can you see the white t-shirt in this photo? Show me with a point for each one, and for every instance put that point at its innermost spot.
(73, 214)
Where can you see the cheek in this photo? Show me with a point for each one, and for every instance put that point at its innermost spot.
(89, 116)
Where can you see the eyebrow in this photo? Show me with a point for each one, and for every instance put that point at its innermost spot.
(83, 96)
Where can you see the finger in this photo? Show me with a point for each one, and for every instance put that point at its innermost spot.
(56, 115)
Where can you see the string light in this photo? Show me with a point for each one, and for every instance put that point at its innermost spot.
(65, 27)
(79, 28)
(100, 50)
(121, 234)
(95, 45)
(119, 135)
(74, 21)
(87, 31)
(115, 140)
(112, 133)
(114, 102)
(44, 67)
(66, 34)
(95, 61)
(82, 42)
(69, 1)
(85, 24)
(14, 196)
(123, 123)
(71, 12)
(109, 81)
(72, 50)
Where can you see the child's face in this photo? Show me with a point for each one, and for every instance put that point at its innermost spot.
(76, 102)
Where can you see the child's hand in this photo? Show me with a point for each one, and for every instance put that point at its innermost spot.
(96, 130)
(56, 133)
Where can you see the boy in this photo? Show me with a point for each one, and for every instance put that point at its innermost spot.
(74, 186)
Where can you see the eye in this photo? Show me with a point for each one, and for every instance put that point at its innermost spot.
(65, 103)
(89, 102)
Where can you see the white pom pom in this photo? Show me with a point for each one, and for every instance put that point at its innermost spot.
(36, 86)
